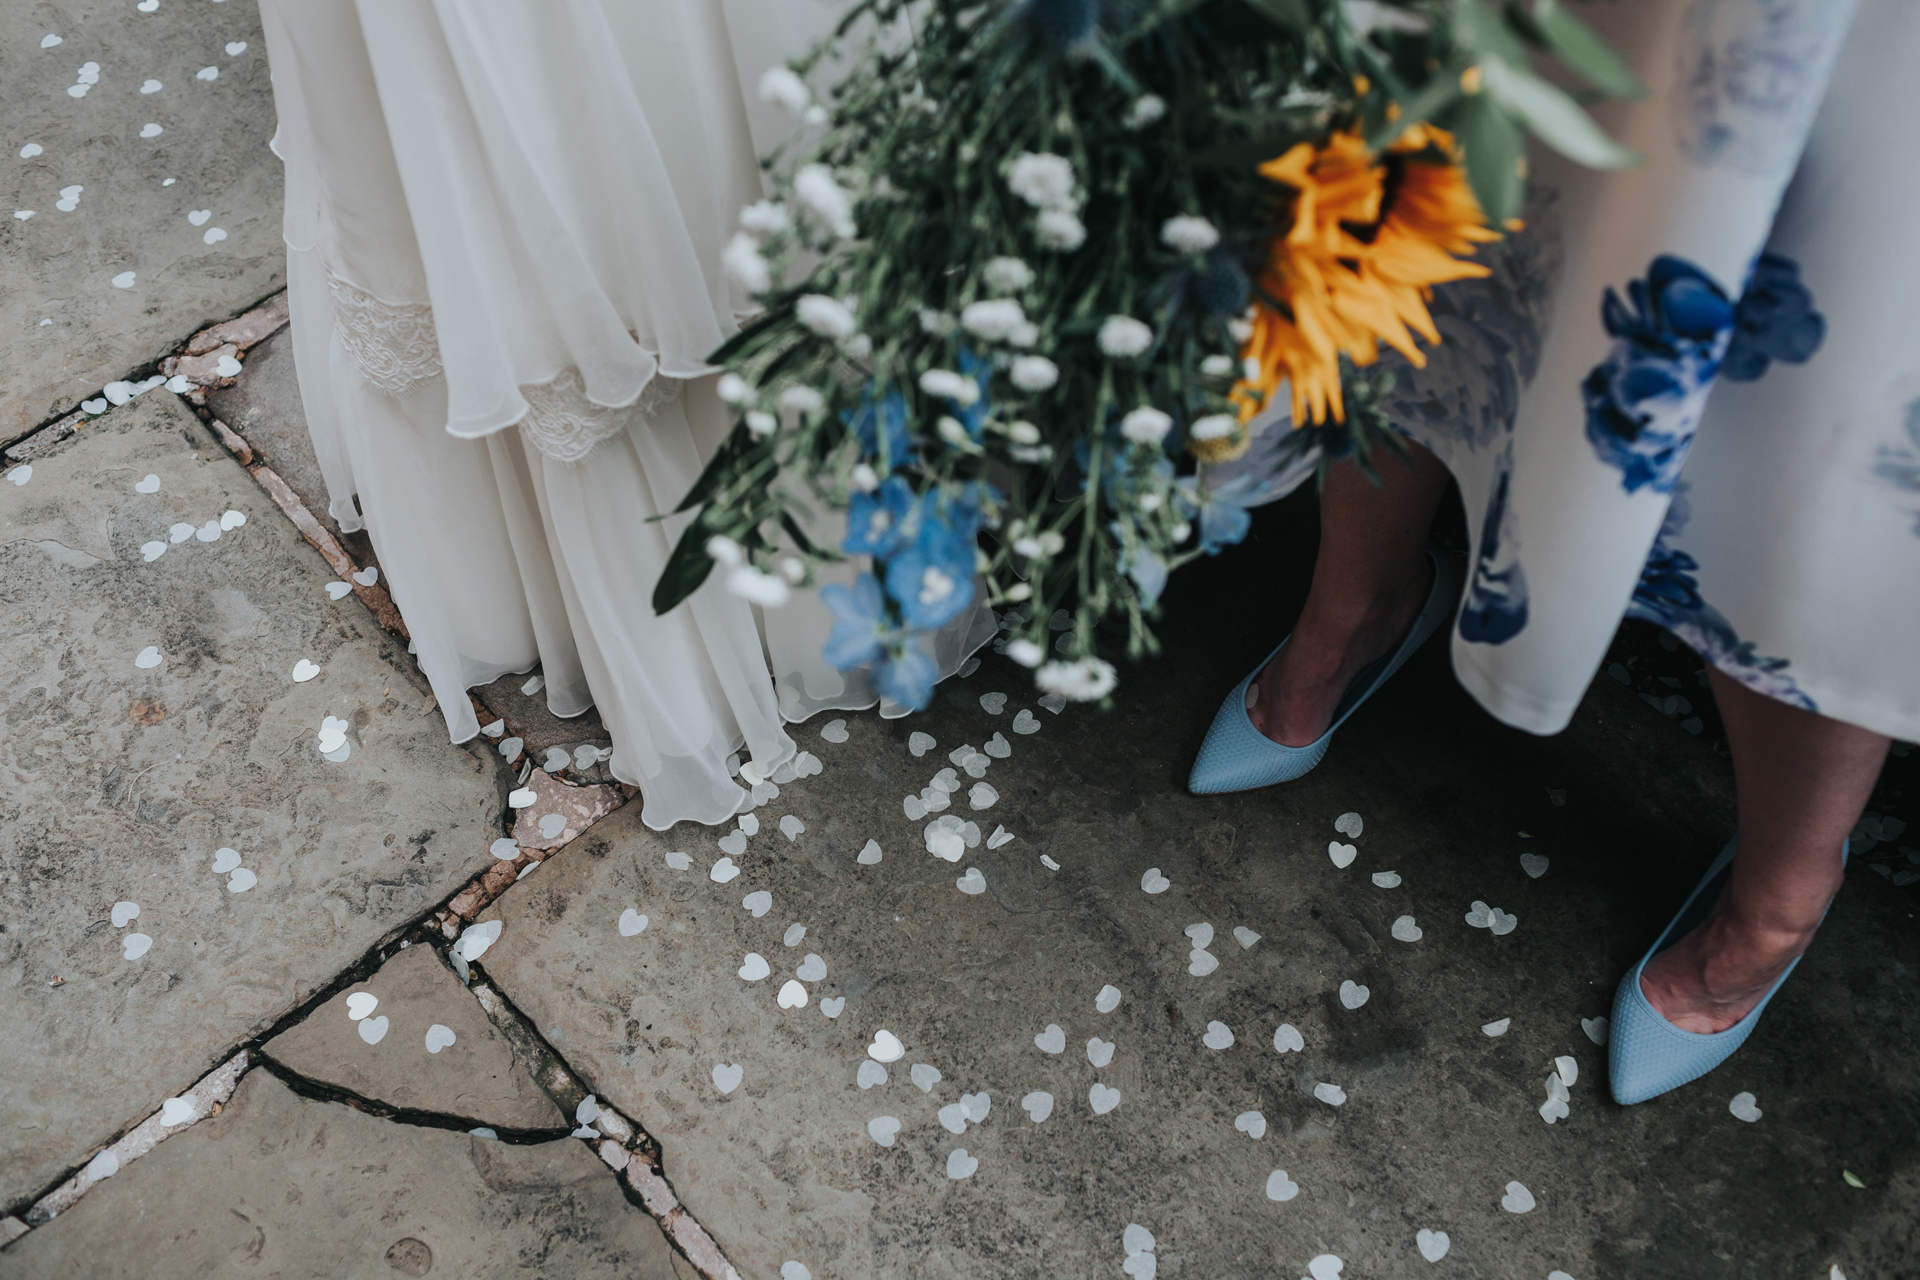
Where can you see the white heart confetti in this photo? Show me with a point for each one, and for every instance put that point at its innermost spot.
(1201, 934)
(733, 844)
(1108, 1000)
(124, 280)
(832, 1005)
(204, 73)
(124, 912)
(104, 1165)
(1025, 723)
(135, 945)
(726, 1076)
(1102, 1099)
(338, 590)
(147, 484)
(1251, 1123)
(1280, 1186)
(1038, 1105)
(1287, 1039)
(147, 658)
(1480, 916)
(225, 860)
(373, 1030)
(1342, 854)
(1049, 863)
(151, 130)
(1349, 825)
(924, 1076)
(1154, 882)
(999, 837)
(1743, 1108)
(682, 862)
(869, 853)
(304, 671)
(723, 871)
(793, 935)
(1596, 1029)
(178, 1111)
(1201, 963)
(993, 703)
(1433, 1245)
(870, 1074)
(1331, 1094)
(522, 798)
(1386, 879)
(236, 47)
(759, 902)
(440, 1036)
(1533, 864)
(631, 923)
(552, 824)
(151, 551)
(1325, 1267)
(977, 1106)
(755, 967)
(960, 1164)
(813, 969)
(200, 217)
(361, 1003)
(1099, 1052)
(241, 880)
(952, 1118)
(1352, 994)
(1244, 936)
(886, 1047)
(791, 827)
(920, 743)
(367, 576)
(208, 532)
(1219, 1036)
(96, 406)
(476, 938)
(1518, 1199)
(1554, 1110)
(1500, 922)
(1496, 1029)
(998, 747)
(151, 86)
(972, 882)
(49, 40)
(882, 1129)
(982, 796)
(1052, 1040)
(792, 995)
(834, 731)
(1567, 1069)
(1405, 930)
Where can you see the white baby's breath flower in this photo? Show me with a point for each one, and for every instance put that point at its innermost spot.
(1087, 680)
(801, 399)
(1060, 230)
(1020, 591)
(992, 318)
(1043, 180)
(1007, 274)
(950, 385)
(725, 550)
(828, 317)
(1242, 330)
(1145, 110)
(1250, 369)
(815, 114)
(758, 588)
(733, 388)
(793, 570)
(765, 218)
(817, 189)
(1186, 234)
(783, 89)
(1034, 373)
(1146, 425)
(859, 346)
(1025, 652)
(937, 323)
(951, 430)
(1217, 366)
(1024, 334)
(1023, 433)
(761, 423)
(745, 265)
(1028, 547)
(1122, 337)
(1215, 426)
(864, 478)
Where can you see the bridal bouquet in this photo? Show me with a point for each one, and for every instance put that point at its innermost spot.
(1039, 266)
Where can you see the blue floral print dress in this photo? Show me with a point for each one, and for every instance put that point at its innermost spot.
(1690, 391)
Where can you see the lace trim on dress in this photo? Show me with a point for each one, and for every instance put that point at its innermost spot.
(394, 344)
(564, 425)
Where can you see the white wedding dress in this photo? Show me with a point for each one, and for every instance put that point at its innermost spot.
(504, 225)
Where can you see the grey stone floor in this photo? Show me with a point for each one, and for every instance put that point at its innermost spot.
(401, 1042)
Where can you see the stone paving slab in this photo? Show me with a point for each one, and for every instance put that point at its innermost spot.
(60, 265)
(118, 783)
(1439, 1117)
(279, 1185)
(476, 1077)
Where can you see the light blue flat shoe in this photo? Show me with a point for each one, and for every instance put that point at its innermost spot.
(1646, 1054)
(1237, 757)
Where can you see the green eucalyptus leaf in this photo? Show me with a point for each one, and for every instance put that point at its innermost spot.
(1582, 50)
(1484, 31)
(686, 569)
(1493, 148)
(1561, 123)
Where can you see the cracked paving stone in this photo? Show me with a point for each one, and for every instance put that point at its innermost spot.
(285, 1186)
(478, 1076)
(120, 783)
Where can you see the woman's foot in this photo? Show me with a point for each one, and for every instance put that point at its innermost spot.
(1714, 976)
(1292, 700)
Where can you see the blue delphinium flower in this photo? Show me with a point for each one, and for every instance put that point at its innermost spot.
(1774, 321)
(906, 675)
(1224, 513)
(875, 520)
(930, 576)
(864, 636)
(974, 416)
(1644, 401)
(875, 413)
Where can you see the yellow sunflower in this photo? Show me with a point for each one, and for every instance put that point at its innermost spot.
(1369, 240)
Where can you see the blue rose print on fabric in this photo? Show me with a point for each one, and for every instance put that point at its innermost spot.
(1645, 400)
(1898, 464)
(1495, 609)
(1668, 595)
(1774, 321)
(1751, 76)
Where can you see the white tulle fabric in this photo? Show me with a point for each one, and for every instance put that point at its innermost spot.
(504, 227)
